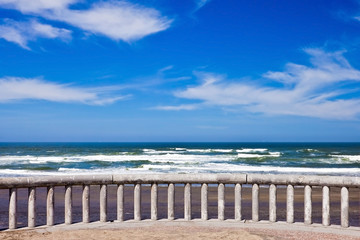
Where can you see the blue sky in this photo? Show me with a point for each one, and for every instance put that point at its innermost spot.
(191, 70)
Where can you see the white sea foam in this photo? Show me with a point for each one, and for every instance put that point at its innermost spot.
(307, 150)
(218, 167)
(205, 168)
(275, 154)
(248, 155)
(251, 150)
(352, 158)
(210, 150)
(199, 150)
(179, 158)
(222, 150)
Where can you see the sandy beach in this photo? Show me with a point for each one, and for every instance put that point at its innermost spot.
(183, 230)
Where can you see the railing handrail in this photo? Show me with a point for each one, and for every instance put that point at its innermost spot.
(225, 178)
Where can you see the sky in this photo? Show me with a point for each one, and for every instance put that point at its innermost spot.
(180, 71)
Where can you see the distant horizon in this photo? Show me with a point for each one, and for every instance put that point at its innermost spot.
(179, 142)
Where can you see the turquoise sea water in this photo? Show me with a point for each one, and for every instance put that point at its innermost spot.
(79, 158)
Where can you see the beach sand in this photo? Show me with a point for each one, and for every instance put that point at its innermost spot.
(173, 232)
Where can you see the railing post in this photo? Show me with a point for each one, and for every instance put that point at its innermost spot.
(137, 202)
(68, 204)
(171, 201)
(272, 203)
(50, 206)
(86, 204)
(221, 201)
(344, 207)
(307, 205)
(204, 201)
(12, 208)
(120, 202)
(154, 201)
(237, 192)
(103, 203)
(290, 204)
(326, 206)
(31, 207)
(255, 202)
(187, 202)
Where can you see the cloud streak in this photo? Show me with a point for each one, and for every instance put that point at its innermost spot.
(13, 89)
(201, 3)
(311, 91)
(23, 32)
(117, 20)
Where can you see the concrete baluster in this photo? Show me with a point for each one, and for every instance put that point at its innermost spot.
(171, 201)
(272, 203)
(221, 201)
(86, 204)
(187, 202)
(326, 206)
(307, 205)
(120, 202)
(137, 202)
(154, 201)
(31, 207)
(344, 207)
(50, 201)
(103, 203)
(204, 201)
(255, 202)
(237, 207)
(12, 208)
(68, 204)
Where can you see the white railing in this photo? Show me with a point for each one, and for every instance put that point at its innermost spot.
(238, 180)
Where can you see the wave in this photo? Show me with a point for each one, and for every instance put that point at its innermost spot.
(307, 150)
(199, 150)
(252, 150)
(249, 155)
(352, 158)
(185, 158)
(220, 168)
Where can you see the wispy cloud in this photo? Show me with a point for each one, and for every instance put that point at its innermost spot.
(36, 6)
(178, 108)
(118, 20)
(319, 90)
(23, 32)
(200, 4)
(13, 89)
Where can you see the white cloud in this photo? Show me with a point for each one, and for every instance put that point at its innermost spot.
(313, 91)
(23, 32)
(118, 20)
(17, 89)
(36, 6)
(178, 108)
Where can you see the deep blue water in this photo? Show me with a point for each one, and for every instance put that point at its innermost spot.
(77, 158)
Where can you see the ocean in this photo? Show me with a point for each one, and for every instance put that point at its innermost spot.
(27, 159)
